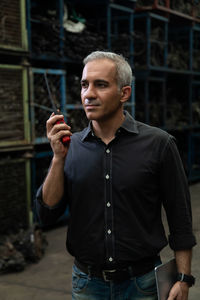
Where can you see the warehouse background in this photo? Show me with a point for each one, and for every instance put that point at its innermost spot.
(161, 40)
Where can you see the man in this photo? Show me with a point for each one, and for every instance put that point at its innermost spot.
(115, 175)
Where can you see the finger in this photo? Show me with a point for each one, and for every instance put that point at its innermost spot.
(174, 292)
(54, 116)
(52, 120)
(62, 133)
(58, 127)
(59, 135)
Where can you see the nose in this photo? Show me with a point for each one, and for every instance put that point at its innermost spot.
(89, 93)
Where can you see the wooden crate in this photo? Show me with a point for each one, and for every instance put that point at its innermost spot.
(13, 33)
(15, 193)
(14, 118)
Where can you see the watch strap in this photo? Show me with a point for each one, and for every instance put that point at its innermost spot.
(189, 279)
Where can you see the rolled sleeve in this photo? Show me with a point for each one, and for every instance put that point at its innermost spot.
(176, 198)
(45, 214)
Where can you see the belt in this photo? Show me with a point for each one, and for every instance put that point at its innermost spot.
(119, 273)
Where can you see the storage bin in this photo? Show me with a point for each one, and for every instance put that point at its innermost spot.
(14, 115)
(13, 33)
(15, 193)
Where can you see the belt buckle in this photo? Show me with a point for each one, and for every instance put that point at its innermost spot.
(105, 275)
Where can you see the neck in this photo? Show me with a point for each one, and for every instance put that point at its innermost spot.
(106, 129)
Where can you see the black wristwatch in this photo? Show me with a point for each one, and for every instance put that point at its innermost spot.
(189, 279)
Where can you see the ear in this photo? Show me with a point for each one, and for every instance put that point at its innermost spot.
(125, 93)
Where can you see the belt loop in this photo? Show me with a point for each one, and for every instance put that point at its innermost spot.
(130, 269)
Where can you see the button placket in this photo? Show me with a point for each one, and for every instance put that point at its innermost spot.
(108, 206)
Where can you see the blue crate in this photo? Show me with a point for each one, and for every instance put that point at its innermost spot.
(40, 105)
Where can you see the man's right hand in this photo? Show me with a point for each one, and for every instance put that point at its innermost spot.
(55, 132)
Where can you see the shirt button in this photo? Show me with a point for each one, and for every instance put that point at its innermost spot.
(107, 151)
(109, 231)
(110, 259)
(107, 176)
(108, 204)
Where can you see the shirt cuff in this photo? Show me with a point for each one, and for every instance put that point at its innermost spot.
(182, 242)
(39, 198)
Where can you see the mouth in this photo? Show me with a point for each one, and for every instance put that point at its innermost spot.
(91, 105)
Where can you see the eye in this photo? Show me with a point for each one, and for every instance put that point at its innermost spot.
(84, 85)
(102, 84)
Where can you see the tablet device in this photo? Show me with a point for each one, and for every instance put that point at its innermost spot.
(166, 276)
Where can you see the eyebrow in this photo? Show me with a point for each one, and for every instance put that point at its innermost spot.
(95, 81)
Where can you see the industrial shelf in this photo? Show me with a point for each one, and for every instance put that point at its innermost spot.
(151, 100)
(61, 43)
(41, 19)
(183, 9)
(163, 46)
(151, 41)
(40, 105)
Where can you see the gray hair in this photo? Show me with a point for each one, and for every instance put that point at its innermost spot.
(124, 75)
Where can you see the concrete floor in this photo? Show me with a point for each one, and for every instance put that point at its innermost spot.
(50, 279)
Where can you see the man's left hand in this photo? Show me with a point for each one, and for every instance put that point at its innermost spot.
(179, 291)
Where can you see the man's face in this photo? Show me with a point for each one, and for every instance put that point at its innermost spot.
(100, 94)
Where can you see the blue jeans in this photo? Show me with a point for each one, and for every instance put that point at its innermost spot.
(137, 288)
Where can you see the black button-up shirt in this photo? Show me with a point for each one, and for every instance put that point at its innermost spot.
(115, 193)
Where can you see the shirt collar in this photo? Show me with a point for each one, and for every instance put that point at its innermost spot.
(129, 125)
(88, 132)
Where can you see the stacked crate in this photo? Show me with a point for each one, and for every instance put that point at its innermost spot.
(14, 119)
(169, 75)
(13, 34)
(46, 41)
(186, 9)
(15, 143)
(15, 205)
(167, 69)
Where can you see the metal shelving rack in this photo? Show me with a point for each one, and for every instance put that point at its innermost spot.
(40, 104)
(158, 31)
(187, 10)
(147, 35)
(44, 22)
(151, 23)
(119, 18)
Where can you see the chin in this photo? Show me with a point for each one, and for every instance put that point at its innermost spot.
(92, 116)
